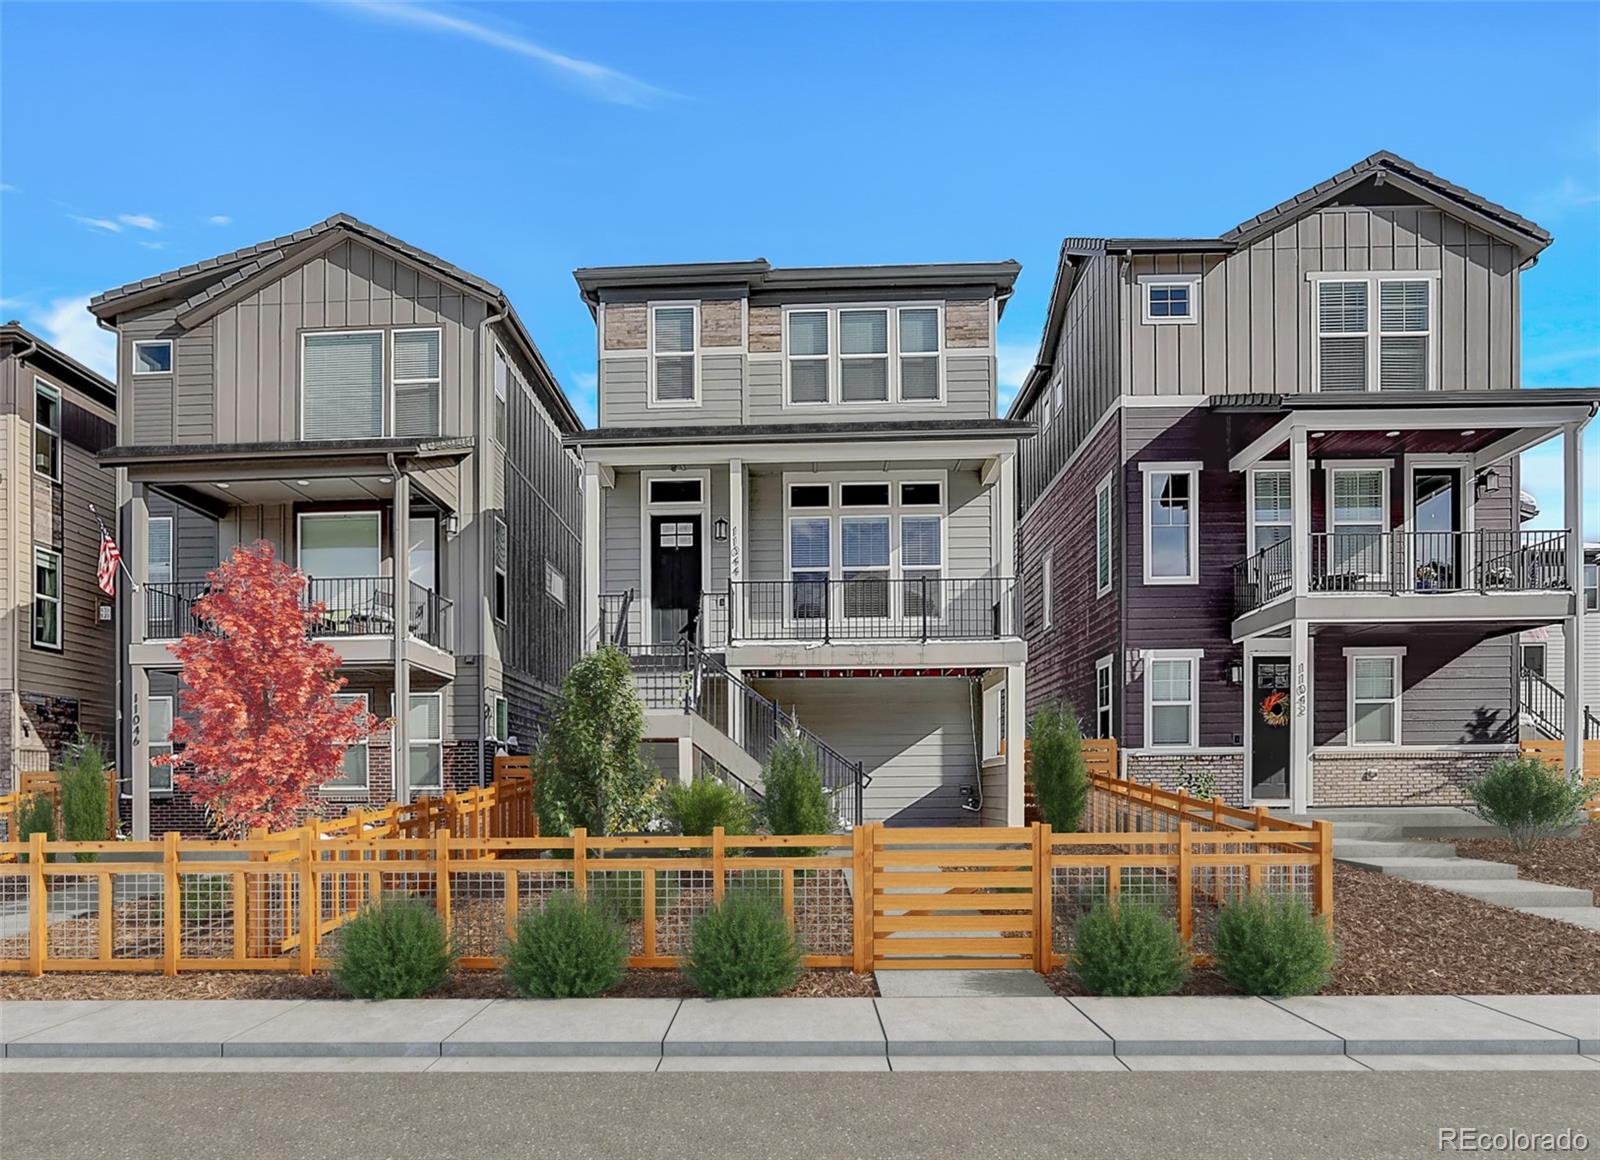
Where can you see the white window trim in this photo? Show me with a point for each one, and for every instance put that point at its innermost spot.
(1149, 281)
(651, 352)
(171, 356)
(171, 551)
(826, 358)
(1192, 656)
(160, 748)
(1269, 467)
(1104, 516)
(1192, 469)
(1588, 571)
(366, 753)
(395, 382)
(41, 387)
(1544, 655)
(651, 508)
(1396, 654)
(413, 742)
(994, 709)
(383, 373)
(550, 570)
(1106, 665)
(1047, 599)
(59, 644)
(1374, 331)
(500, 571)
(500, 396)
(835, 358)
(493, 705)
(1331, 525)
(890, 363)
(896, 380)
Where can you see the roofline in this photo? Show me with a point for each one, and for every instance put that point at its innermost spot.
(91, 382)
(125, 455)
(1344, 400)
(886, 430)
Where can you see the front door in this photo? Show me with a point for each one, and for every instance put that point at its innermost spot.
(1269, 728)
(675, 555)
(1435, 520)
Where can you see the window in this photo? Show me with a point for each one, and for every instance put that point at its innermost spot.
(808, 356)
(919, 354)
(673, 331)
(1591, 587)
(158, 550)
(1271, 508)
(1404, 334)
(555, 584)
(499, 718)
(1374, 710)
(353, 772)
(152, 358)
(1172, 707)
(1058, 390)
(501, 570)
(810, 564)
(1170, 298)
(46, 429)
(864, 558)
(864, 495)
(1534, 658)
(675, 490)
(1102, 536)
(416, 382)
(864, 356)
(1047, 595)
(1341, 336)
(425, 723)
(159, 738)
(1358, 517)
(810, 495)
(994, 720)
(1102, 696)
(341, 385)
(46, 598)
(1044, 410)
(502, 375)
(921, 495)
(1170, 545)
(921, 554)
(340, 545)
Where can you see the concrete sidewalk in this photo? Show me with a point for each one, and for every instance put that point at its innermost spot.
(902, 1034)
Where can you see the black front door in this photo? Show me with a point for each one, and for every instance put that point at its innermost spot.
(1269, 728)
(1436, 520)
(674, 575)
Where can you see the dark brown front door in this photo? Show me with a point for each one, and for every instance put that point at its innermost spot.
(1269, 728)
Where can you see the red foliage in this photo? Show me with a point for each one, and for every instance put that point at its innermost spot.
(261, 729)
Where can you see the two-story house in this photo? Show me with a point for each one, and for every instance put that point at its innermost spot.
(58, 643)
(383, 418)
(1270, 534)
(799, 504)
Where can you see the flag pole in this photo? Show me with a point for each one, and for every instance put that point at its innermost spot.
(123, 564)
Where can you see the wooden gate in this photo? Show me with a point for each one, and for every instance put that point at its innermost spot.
(956, 898)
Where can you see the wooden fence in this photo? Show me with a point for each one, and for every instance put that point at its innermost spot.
(48, 783)
(1556, 754)
(880, 897)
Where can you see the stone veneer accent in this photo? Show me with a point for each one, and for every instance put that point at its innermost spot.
(626, 326)
(966, 324)
(721, 322)
(1168, 770)
(1397, 777)
(766, 329)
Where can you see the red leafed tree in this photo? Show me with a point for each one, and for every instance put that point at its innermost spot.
(262, 729)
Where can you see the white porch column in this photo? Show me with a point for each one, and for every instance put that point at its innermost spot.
(400, 569)
(1300, 510)
(685, 761)
(137, 686)
(135, 541)
(1302, 657)
(1005, 556)
(1572, 626)
(591, 556)
(1016, 743)
(736, 519)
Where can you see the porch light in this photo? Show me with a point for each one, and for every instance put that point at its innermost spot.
(451, 525)
(302, 483)
(1489, 481)
(719, 530)
(1391, 434)
(1470, 431)
(1318, 434)
(224, 486)
(1236, 672)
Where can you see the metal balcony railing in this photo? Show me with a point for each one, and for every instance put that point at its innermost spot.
(351, 606)
(871, 606)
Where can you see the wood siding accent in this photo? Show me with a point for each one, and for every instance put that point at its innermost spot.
(966, 324)
(627, 326)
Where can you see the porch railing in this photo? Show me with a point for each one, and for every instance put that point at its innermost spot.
(1547, 706)
(1485, 560)
(352, 606)
(872, 607)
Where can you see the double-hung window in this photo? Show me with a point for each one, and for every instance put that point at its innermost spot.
(416, 365)
(1591, 587)
(1172, 700)
(46, 430)
(502, 570)
(1374, 683)
(353, 770)
(1404, 334)
(1358, 518)
(1047, 593)
(810, 564)
(502, 391)
(1359, 349)
(1102, 536)
(158, 731)
(46, 598)
(1170, 534)
(341, 385)
(425, 722)
(158, 550)
(673, 356)
(1342, 335)
(808, 356)
(1102, 696)
(864, 356)
(864, 560)
(1271, 508)
(921, 557)
(919, 354)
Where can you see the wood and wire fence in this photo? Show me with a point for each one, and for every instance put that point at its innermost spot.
(48, 784)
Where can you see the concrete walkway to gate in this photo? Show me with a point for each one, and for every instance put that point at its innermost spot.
(1348, 1033)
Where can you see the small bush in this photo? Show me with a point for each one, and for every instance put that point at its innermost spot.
(1529, 799)
(1060, 777)
(36, 814)
(397, 949)
(83, 795)
(1129, 948)
(742, 948)
(704, 804)
(794, 798)
(1266, 945)
(570, 950)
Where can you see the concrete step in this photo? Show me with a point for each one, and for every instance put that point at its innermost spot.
(1435, 869)
(1366, 832)
(1344, 851)
(1588, 919)
(1517, 894)
(1410, 821)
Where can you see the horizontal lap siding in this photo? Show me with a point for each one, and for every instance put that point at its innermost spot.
(624, 387)
(969, 394)
(196, 401)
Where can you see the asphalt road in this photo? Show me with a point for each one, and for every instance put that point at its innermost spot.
(1249, 1116)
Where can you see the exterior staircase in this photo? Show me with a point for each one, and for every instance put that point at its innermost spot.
(1544, 709)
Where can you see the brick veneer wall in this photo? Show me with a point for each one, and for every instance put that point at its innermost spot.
(1168, 770)
(1416, 777)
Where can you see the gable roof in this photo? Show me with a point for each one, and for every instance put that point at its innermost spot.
(14, 337)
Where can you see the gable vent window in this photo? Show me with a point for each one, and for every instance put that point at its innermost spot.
(1342, 332)
(864, 356)
(341, 385)
(1403, 314)
(672, 356)
(416, 382)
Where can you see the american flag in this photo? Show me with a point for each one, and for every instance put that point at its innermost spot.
(110, 558)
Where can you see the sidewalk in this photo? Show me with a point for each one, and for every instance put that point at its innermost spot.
(1349, 1033)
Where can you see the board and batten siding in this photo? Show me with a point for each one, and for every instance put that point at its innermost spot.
(1256, 324)
(196, 538)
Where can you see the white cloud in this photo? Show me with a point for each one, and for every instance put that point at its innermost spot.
(7, 187)
(139, 221)
(67, 323)
(219, 219)
(1014, 360)
(1567, 194)
(154, 245)
(95, 223)
(607, 84)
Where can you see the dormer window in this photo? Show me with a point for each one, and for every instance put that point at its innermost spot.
(1170, 298)
(674, 333)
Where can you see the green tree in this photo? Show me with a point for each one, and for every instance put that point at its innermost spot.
(702, 805)
(83, 794)
(590, 771)
(1060, 777)
(794, 798)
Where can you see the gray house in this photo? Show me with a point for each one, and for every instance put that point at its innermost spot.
(384, 420)
(1270, 536)
(799, 506)
(58, 642)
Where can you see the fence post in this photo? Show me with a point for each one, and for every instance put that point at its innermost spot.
(309, 910)
(172, 911)
(39, 898)
(1324, 901)
(719, 885)
(1043, 898)
(580, 862)
(1185, 881)
(860, 905)
(1256, 872)
(441, 874)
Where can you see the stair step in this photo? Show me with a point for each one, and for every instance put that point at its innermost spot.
(1366, 832)
(1589, 919)
(1517, 894)
(1435, 869)
(1346, 850)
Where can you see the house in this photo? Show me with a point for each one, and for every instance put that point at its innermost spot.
(356, 402)
(58, 645)
(799, 504)
(1269, 534)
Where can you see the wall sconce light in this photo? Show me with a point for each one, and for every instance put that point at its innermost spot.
(1236, 672)
(1489, 481)
(451, 525)
(719, 530)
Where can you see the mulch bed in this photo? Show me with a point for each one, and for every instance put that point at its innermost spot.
(1573, 861)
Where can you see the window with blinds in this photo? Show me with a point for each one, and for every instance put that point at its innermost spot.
(158, 555)
(672, 355)
(1342, 336)
(864, 356)
(808, 356)
(1403, 334)
(1358, 520)
(416, 382)
(1272, 509)
(502, 377)
(921, 557)
(810, 562)
(502, 563)
(341, 385)
(919, 354)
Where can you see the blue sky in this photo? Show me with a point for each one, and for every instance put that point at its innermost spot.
(522, 140)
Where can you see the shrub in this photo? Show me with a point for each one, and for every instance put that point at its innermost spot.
(396, 949)
(83, 795)
(795, 800)
(36, 814)
(742, 948)
(569, 950)
(1266, 945)
(1528, 798)
(702, 805)
(1128, 948)
(1060, 778)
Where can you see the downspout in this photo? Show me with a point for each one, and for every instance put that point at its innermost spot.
(477, 486)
